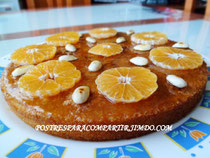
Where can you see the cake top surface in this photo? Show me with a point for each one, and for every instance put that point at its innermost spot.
(125, 73)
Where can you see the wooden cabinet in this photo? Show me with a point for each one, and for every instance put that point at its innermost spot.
(31, 4)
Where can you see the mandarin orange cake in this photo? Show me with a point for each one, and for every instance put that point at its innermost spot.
(104, 77)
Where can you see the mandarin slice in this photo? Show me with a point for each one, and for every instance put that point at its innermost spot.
(106, 49)
(35, 155)
(33, 54)
(127, 84)
(175, 59)
(49, 78)
(153, 38)
(64, 38)
(101, 33)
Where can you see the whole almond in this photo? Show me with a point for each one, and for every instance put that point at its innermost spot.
(140, 61)
(180, 45)
(176, 81)
(130, 32)
(95, 65)
(142, 47)
(70, 48)
(22, 70)
(67, 58)
(90, 40)
(120, 39)
(81, 94)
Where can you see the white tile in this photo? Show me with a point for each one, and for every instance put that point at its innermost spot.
(62, 17)
(196, 33)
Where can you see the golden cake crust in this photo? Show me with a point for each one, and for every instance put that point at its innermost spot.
(166, 105)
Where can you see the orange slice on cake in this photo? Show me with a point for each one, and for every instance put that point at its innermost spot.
(106, 49)
(127, 84)
(153, 38)
(175, 59)
(64, 38)
(33, 54)
(101, 33)
(49, 78)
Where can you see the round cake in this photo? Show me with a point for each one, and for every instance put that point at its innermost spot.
(104, 78)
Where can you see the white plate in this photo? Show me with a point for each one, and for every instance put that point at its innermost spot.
(18, 140)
